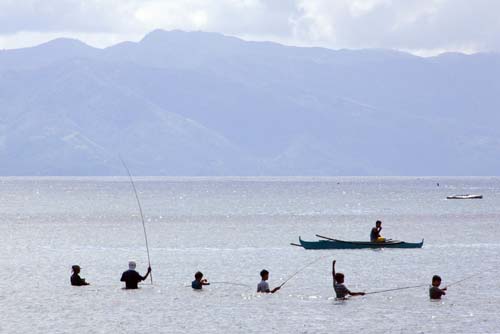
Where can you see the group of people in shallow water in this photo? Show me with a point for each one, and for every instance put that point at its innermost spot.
(341, 291)
(132, 278)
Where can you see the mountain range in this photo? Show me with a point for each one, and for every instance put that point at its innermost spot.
(198, 103)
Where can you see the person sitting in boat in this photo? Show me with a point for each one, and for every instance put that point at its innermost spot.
(341, 291)
(199, 281)
(434, 291)
(132, 277)
(375, 233)
(76, 280)
(263, 286)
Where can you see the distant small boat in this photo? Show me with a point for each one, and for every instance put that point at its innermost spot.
(468, 196)
(341, 244)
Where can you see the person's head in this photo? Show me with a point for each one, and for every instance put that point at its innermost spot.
(264, 274)
(339, 277)
(76, 269)
(198, 276)
(436, 280)
(378, 223)
(132, 265)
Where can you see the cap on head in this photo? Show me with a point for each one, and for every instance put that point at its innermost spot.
(75, 267)
(131, 265)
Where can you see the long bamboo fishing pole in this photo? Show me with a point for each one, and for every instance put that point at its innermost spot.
(396, 289)
(463, 279)
(142, 215)
(304, 267)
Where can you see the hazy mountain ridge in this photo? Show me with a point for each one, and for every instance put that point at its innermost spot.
(179, 103)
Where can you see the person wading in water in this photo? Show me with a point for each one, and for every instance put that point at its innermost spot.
(76, 280)
(132, 277)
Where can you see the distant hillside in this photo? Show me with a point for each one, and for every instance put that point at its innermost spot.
(194, 103)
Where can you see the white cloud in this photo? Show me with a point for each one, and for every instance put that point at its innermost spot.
(422, 25)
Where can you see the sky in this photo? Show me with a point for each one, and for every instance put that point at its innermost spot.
(423, 27)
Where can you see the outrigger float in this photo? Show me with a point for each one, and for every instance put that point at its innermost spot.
(330, 243)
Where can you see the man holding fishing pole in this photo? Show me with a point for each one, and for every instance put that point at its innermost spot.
(263, 286)
(132, 277)
(341, 291)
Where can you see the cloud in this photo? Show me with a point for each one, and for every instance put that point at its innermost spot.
(409, 24)
(399, 24)
(64, 15)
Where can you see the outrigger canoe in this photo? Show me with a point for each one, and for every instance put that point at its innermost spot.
(341, 244)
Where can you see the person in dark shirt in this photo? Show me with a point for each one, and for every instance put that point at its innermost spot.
(199, 281)
(132, 277)
(375, 233)
(76, 280)
(434, 291)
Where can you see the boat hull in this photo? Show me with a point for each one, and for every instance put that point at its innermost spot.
(340, 244)
(465, 197)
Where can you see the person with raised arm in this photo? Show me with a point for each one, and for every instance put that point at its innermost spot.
(341, 291)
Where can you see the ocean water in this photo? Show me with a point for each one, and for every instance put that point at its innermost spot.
(231, 228)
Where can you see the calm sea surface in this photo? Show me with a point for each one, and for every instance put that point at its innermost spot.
(231, 228)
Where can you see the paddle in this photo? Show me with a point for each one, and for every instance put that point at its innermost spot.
(391, 241)
(323, 237)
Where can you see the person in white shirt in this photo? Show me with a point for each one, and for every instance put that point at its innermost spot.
(263, 286)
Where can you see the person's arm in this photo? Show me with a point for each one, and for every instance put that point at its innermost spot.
(275, 289)
(333, 272)
(204, 282)
(147, 274)
(123, 278)
(355, 293)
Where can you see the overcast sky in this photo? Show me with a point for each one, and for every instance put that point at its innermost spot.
(419, 26)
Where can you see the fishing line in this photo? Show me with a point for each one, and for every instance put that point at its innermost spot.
(396, 289)
(304, 267)
(140, 211)
(231, 283)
